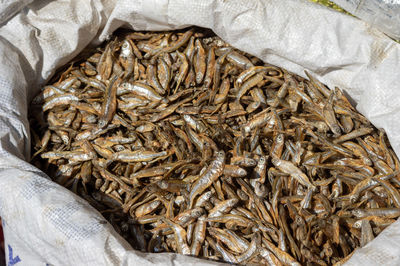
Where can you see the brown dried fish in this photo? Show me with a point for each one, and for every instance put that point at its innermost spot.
(188, 145)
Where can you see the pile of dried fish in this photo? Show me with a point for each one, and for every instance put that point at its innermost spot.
(188, 145)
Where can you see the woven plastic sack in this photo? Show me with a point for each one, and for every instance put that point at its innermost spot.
(45, 224)
(382, 14)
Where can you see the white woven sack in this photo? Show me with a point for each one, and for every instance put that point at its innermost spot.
(46, 224)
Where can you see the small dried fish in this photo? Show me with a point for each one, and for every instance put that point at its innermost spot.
(187, 145)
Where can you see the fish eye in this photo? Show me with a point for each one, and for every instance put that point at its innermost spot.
(357, 224)
(336, 129)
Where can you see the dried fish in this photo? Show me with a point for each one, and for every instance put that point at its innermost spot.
(187, 145)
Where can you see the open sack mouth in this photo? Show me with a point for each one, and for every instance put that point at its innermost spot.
(222, 148)
(188, 145)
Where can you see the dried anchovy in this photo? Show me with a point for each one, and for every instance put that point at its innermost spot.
(188, 145)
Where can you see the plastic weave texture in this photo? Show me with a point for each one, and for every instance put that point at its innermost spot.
(47, 224)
